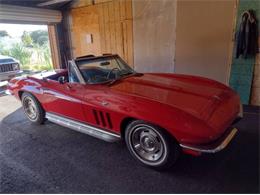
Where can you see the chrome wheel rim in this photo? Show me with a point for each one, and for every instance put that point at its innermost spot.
(148, 145)
(30, 108)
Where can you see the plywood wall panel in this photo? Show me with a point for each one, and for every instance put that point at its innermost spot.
(85, 22)
(110, 22)
(154, 35)
(204, 37)
(55, 55)
(102, 1)
(129, 10)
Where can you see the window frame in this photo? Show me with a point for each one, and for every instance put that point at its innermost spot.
(72, 65)
(99, 57)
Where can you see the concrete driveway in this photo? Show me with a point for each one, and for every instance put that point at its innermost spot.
(53, 159)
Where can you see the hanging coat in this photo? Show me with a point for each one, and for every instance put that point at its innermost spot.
(247, 35)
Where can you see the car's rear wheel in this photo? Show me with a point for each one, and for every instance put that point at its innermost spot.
(32, 108)
(151, 145)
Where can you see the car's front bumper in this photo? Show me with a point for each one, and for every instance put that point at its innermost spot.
(5, 76)
(218, 145)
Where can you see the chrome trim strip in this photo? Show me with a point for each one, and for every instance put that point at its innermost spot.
(221, 146)
(83, 128)
(60, 96)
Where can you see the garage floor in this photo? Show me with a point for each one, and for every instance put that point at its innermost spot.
(53, 159)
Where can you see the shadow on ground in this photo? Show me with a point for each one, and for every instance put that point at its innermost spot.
(53, 159)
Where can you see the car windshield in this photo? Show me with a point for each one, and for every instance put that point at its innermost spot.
(6, 60)
(103, 69)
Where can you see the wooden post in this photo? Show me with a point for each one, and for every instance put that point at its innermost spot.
(55, 54)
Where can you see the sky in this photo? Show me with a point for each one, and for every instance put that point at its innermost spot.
(16, 30)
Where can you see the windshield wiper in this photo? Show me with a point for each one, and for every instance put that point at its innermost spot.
(131, 73)
(113, 81)
(124, 74)
(137, 74)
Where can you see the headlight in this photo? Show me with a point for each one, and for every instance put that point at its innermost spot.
(16, 67)
(240, 114)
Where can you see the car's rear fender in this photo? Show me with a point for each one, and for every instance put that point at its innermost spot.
(18, 86)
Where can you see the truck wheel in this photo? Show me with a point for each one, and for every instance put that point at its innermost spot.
(32, 108)
(150, 145)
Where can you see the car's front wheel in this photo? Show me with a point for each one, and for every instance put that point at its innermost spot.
(32, 108)
(151, 145)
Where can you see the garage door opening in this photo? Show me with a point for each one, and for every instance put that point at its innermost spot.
(28, 44)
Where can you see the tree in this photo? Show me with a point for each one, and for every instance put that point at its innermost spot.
(26, 39)
(47, 56)
(39, 37)
(3, 50)
(3, 33)
(21, 53)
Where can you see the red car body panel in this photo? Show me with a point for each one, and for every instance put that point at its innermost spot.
(193, 110)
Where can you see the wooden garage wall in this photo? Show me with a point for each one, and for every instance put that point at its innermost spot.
(204, 38)
(110, 25)
(55, 54)
(244, 75)
(154, 24)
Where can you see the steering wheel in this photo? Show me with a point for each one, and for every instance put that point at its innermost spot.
(112, 70)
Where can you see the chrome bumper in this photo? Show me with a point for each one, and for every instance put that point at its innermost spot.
(4, 76)
(215, 147)
(8, 92)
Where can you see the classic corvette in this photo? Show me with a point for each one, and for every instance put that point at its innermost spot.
(157, 115)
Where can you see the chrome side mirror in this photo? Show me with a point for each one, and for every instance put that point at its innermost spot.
(62, 80)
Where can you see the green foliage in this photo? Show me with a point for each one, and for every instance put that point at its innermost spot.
(21, 53)
(3, 33)
(3, 51)
(39, 37)
(44, 56)
(26, 39)
(47, 56)
(33, 51)
(43, 40)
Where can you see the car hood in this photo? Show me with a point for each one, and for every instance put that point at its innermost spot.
(194, 95)
(5, 57)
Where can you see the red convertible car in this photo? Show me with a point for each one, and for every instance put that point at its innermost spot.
(157, 115)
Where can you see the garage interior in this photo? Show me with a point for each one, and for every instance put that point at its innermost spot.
(194, 37)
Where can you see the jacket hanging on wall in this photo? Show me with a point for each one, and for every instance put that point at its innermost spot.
(247, 43)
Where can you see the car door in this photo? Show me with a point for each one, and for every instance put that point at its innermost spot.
(65, 99)
(101, 108)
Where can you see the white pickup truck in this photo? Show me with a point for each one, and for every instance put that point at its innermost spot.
(9, 68)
